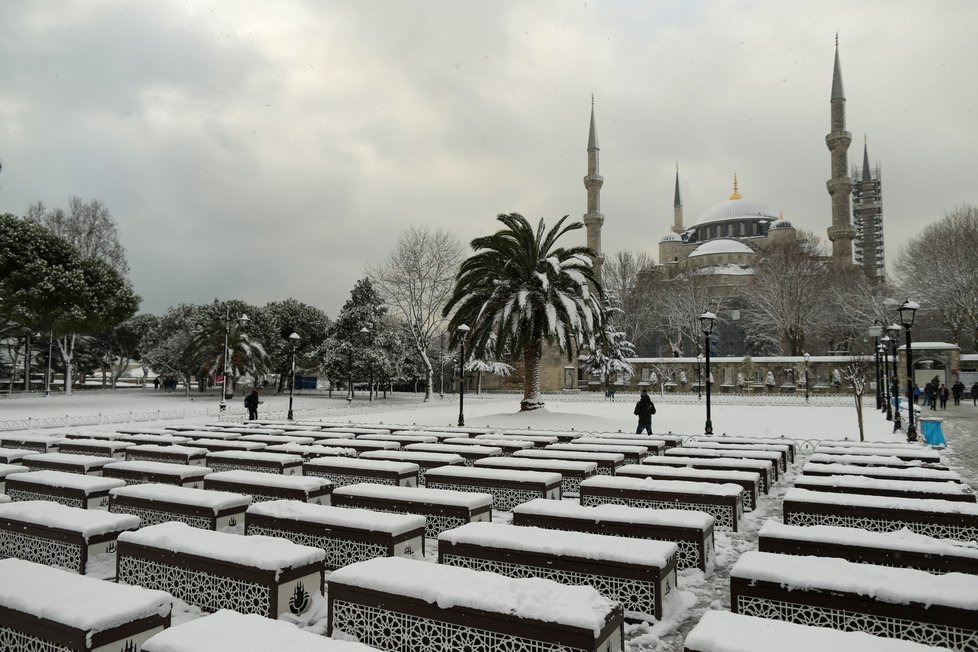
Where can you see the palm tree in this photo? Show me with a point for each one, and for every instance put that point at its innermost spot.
(523, 290)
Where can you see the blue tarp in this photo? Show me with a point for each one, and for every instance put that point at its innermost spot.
(932, 432)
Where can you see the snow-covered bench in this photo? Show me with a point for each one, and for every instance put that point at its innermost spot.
(181, 475)
(241, 632)
(452, 431)
(217, 570)
(508, 487)
(14, 455)
(508, 446)
(763, 468)
(882, 458)
(68, 463)
(631, 454)
(271, 486)
(173, 454)
(783, 461)
(403, 438)
(901, 548)
(115, 449)
(913, 474)
(564, 436)
(651, 446)
(243, 431)
(943, 519)
(71, 489)
(773, 458)
(424, 460)
(215, 433)
(723, 502)
(538, 441)
(9, 469)
(272, 439)
(221, 445)
(607, 463)
(855, 484)
(405, 604)
(171, 439)
(692, 532)
(357, 430)
(669, 440)
(791, 445)
(348, 535)
(342, 471)
(639, 574)
(441, 508)
(312, 451)
(723, 631)
(52, 534)
(916, 454)
(469, 453)
(904, 603)
(749, 482)
(45, 609)
(35, 443)
(255, 461)
(571, 472)
(160, 503)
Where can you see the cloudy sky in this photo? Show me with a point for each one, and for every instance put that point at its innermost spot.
(264, 150)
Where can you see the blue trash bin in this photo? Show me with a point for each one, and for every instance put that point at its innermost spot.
(930, 427)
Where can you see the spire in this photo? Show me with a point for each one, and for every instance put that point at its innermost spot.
(735, 194)
(593, 219)
(678, 200)
(837, 91)
(592, 138)
(677, 208)
(866, 173)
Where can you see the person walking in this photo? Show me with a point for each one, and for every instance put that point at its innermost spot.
(944, 394)
(252, 402)
(644, 409)
(974, 393)
(929, 395)
(957, 390)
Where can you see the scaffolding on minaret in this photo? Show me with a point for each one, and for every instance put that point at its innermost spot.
(867, 214)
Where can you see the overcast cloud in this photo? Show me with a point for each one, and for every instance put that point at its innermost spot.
(261, 150)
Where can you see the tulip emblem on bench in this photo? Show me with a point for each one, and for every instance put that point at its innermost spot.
(110, 548)
(232, 522)
(104, 502)
(300, 600)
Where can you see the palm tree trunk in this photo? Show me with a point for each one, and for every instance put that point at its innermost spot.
(531, 375)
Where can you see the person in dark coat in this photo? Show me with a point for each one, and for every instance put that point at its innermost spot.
(957, 390)
(974, 394)
(251, 402)
(644, 409)
(944, 394)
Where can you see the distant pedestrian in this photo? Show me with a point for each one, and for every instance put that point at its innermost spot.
(916, 393)
(957, 390)
(929, 396)
(156, 383)
(611, 392)
(974, 393)
(251, 402)
(944, 394)
(644, 409)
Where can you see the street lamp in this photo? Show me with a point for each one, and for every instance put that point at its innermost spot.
(224, 378)
(370, 388)
(884, 352)
(707, 322)
(807, 358)
(908, 309)
(463, 332)
(294, 337)
(699, 374)
(894, 331)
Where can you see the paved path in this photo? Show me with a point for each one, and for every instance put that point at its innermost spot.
(960, 429)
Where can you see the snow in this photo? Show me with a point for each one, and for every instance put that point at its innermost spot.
(882, 502)
(209, 434)
(229, 445)
(494, 475)
(648, 444)
(868, 459)
(505, 444)
(913, 473)
(255, 456)
(344, 517)
(87, 462)
(413, 456)
(900, 540)
(468, 499)
(449, 587)
(762, 466)
(664, 486)
(558, 454)
(624, 449)
(216, 501)
(160, 440)
(459, 449)
(304, 483)
(86, 522)
(76, 481)
(361, 463)
(182, 471)
(919, 453)
(648, 470)
(279, 439)
(189, 451)
(401, 438)
(616, 513)
(7, 469)
(853, 483)
(311, 450)
(527, 463)
(721, 246)
(882, 583)
(11, 455)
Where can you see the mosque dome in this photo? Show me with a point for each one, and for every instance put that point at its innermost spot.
(780, 224)
(737, 208)
(721, 246)
(670, 237)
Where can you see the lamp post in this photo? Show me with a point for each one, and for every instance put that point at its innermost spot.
(463, 331)
(699, 374)
(876, 331)
(224, 377)
(370, 380)
(47, 377)
(441, 368)
(908, 309)
(707, 321)
(894, 331)
(294, 337)
(883, 353)
(807, 358)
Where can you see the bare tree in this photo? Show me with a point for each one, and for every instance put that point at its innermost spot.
(88, 226)
(677, 304)
(855, 372)
(623, 274)
(417, 280)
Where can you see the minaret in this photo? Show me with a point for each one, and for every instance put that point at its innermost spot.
(867, 212)
(593, 219)
(841, 233)
(677, 207)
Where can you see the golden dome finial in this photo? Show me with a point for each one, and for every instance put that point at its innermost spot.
(735, 195)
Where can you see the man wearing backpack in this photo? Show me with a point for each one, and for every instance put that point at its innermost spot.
(644, 409)
(251, 402)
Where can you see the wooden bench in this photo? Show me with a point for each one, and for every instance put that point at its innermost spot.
(651, 445)
(342, 471)
(35, 443)
(14, 455)
(901, 603)
(215, 434)
(913, 474)
(81, 464)
(144, 430)
(791, 445)
(424, 460)
(156, 440)
(280, 463)
(216, 570)
(161, 503)
(563, 436)
(630, 454)
(749, 482)
(723, 631)
(355, 430)
(271, 440)
(637, 573)
(670, 440)
(244, 632)
(571, 472)
(271, 486)
(243, 431)
(607, 463)
(508, 487)
(901, 548)
(47, 609)
(692, 532)
(71, 489)
(325, 436)
(538, 441)
(348, 535)
(361, 446)
(404, 604)
(403, 438)
(175, 454)
(721, 501)
(782, 450)
(455, 431)
(855, 484)
(312, 451)
(916, 454)
(469, 453)
(764, 470)
(9, 469)
(942, 519)
(181, 475)
(222, 445)
(49, 533)
(508, 446)
(98, 435)
(442, 509)
(872, 460)
(774, 459)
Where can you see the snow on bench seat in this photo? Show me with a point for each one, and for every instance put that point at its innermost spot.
(914, 474)
(14, 455)
(564, 436)
(442, 509)
(851, 443)
(423, 459)
(401, 604)
(220, 445)
(651, 446)
(144, 430)
(692, 532)
(721, 501)
(325, 436)
(508, 446)
(402, 438)
(538, 441)
(361, 446)
(8, 469)
(71, 489)
(161, 503)
(229, 631)
(311, 451)
(279, 439)
(356, 430)
(854, 484)
(68, 463)
(943, 519)
(711, 444)
(765, 470)
(571, 472)
(774, 459)
(469, 453)
(100, 435)
(906, 454)
(4, 499)
(342, 471)
(508, 487)
(439, 435)
(48, 609)
(221, 435)
(869, 459)
(749, 482)
(35, 443)
(181, 475)
(607, 463)
(638, 573)
(173, 454)
(157, 440)
(456, 431)
(271, 486)
(57, 535)
(631, 454)
(255, 461)
(751, 441)
(244, 431)
(900, 548)
(347, 535)
(217, 570)
(901, 603)
(723, 631)
(98, 447)
(670, 440)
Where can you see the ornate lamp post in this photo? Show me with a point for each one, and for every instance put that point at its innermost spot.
(894, 384)
(875, 331)
(707, 322)
(883, 353)
(224, 378)
(908, 310)
(294, 338)
(370, 389)
(807, 357)
(463, 331)
(699, 374)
